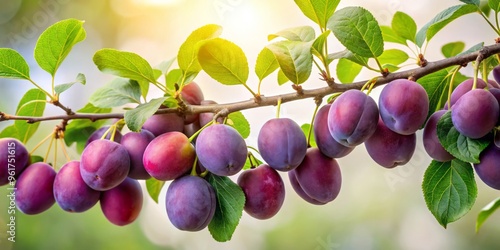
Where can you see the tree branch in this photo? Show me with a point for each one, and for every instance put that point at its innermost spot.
(318, 93)
(66, 109)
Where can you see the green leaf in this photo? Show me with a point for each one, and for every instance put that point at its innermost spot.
(170, 102)
(393, 56)
(318, 47)
(449, 190)
(165, 65)
(363, 61)
(494, 5)
(13, 65)
(301, 34)
(78, 131)
(9, 131)
(295, 59)
(489, 64)
(318, 11)
(441, 20)
(55, 43)
(266, 64)
(154, 187)
(485, 8)
(452, 49)
(390, 36)
(282, 79)
(347, 70)
(80, 135)
(305, 128)
(240, 123)
(136, 117)
(358, 31)
(172, 77)
(31, 104)
(230, 203)
(224, 61)
(35, 158)
(486, 212)
(187, 58)
(80, 78)
(124, 64)
(144, 85)
(116, 93)
(390, 67)
(474, 2)
(474, 48)
(404, 26)
(435, 85)
(462, 147)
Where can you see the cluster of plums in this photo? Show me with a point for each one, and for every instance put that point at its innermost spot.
(475, 113)
(109, 170)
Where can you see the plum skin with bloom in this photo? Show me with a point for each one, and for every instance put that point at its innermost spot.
(264, 191)
(352, 118)
(404, 106)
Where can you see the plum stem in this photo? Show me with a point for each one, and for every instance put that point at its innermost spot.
(64, 150)
(114, 133)
(253, 148)
(193, 168)
(55, 152)
(199, 131)
(489, 23)
(253, 161)
(50, 146)
(251, 91)
(450, 87)
(40, 143)
(278, 108)
(107, 132)
(485, 74)
(309, 132)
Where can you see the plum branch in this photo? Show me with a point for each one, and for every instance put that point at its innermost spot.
(318, 93)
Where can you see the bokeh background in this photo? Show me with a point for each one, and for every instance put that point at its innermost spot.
(377, 208)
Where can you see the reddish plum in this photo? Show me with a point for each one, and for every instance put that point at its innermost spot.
(390, 149)
(191, 93)
(300, 191)
(104, 164)
(264, 191)
(163, 123)
(169, 156)
(319, 176)
(135, 143)
(122, 204)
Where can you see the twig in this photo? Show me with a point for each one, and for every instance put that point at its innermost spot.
(227, 108)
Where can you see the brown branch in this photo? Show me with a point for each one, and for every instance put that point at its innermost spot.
(318, 93)
(66, 109)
